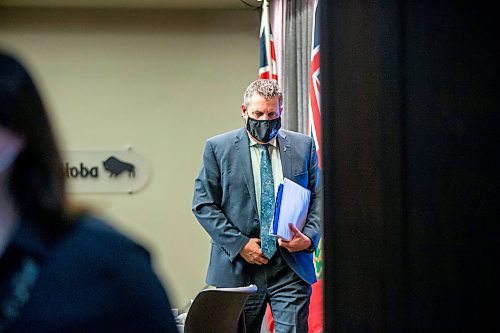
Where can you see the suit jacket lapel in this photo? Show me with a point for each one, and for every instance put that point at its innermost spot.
(242, 146)
(285, 154)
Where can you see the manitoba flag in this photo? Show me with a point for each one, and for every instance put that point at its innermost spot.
(267, 69)
(314, 87)
(316, 306)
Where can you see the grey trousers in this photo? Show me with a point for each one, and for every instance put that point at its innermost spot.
(287, 294)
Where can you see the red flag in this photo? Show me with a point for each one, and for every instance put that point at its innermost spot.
(314, 88)
(268, 68)
(316, 307)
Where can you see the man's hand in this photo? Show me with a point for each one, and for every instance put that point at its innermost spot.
(252, 252)
(299, 241)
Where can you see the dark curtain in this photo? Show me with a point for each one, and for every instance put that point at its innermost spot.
(410, 113)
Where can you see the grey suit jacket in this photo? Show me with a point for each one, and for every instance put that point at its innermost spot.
(224, 202)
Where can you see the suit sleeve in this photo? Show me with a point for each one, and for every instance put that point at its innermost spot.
(207, 206)
(312, 227)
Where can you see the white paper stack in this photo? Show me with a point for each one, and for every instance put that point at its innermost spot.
(292, 205)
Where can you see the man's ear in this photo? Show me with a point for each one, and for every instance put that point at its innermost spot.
(243, 110)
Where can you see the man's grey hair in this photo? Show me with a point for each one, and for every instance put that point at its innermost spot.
(265, 88)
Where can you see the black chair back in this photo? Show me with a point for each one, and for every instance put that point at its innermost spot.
(218, 311)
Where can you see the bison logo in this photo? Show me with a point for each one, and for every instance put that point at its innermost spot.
(115, 167)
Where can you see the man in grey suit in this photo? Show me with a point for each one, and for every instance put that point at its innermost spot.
(232, 202)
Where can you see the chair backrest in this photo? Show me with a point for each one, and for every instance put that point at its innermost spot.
(218, 311)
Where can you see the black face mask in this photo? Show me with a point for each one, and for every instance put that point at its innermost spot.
(263, 130)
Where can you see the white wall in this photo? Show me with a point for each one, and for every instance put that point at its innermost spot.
(160, 81)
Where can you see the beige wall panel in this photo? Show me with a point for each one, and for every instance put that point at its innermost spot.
(159, 81)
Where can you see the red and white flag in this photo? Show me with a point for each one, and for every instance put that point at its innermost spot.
(316, 305)
(314, 88)
(268, 67)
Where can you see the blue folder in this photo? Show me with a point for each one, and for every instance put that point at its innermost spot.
(292, 205)
(277, 207)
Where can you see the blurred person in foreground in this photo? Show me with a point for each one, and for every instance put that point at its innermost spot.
(61, 270)
(234, 199)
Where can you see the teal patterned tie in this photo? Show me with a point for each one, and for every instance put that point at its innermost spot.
(268, 243)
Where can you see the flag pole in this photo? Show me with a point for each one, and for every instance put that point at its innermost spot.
(267, 32)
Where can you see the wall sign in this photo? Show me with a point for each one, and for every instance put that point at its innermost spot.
(105, 171)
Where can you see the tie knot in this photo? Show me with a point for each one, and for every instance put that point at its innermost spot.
(263, 146)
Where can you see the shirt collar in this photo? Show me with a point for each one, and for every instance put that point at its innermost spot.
(253, 142)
